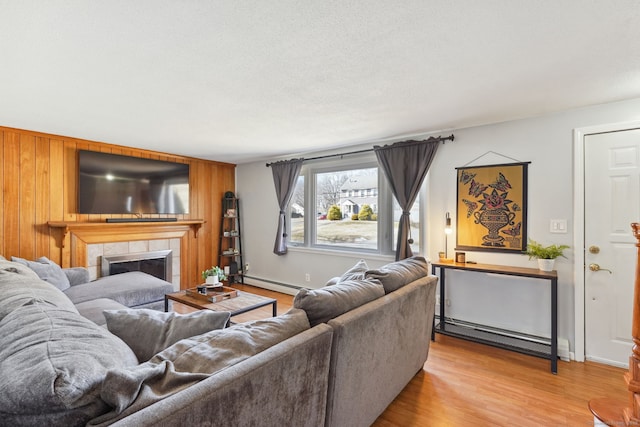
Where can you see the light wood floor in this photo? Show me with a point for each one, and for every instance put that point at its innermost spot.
(469, 384)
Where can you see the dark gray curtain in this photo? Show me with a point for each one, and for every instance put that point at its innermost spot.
(405, 164)
(285, 175)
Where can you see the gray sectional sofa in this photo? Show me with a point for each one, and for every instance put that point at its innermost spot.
(378, 346)
(132, 289)
(337, 358)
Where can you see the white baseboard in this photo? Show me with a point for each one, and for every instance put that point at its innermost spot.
(272, 286)
(608, 362)
(563, 349)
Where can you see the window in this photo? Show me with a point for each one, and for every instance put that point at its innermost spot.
(297, 213)
(340, 222)
(415, 223)
(347, 206)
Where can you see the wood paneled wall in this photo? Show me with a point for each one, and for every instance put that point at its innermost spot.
(38, 177)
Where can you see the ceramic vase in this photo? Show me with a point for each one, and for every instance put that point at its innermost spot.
(546, 264)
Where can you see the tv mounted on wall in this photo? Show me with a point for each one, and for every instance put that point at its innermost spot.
(117, 184)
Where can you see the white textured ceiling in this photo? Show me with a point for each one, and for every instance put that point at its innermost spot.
(237, 81)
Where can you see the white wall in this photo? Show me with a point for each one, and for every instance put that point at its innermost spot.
(518, 304)
(254, 184)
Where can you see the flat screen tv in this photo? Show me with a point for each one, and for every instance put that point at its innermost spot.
(116, 184)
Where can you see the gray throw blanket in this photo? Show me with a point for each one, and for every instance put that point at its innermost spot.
(191, 360)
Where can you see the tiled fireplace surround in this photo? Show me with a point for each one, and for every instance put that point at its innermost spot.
(95, 252)
(84, 243)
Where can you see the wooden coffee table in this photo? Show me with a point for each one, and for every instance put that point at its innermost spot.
(243, 303)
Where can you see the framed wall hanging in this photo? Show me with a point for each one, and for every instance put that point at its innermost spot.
(492, 208)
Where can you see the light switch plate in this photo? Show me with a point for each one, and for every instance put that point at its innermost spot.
(558, 226)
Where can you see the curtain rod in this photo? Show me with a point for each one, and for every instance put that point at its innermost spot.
(436, 139)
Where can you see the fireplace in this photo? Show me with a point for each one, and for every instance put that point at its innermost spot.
(156, 263)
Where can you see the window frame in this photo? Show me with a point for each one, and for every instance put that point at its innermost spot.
(385, 229)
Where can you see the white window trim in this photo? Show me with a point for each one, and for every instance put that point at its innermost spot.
(386, 241)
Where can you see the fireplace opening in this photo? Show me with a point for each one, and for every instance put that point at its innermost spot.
(156, 263)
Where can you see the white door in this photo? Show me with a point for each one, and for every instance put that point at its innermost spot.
(612, 200)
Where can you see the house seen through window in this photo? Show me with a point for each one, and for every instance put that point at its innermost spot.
(347, 208)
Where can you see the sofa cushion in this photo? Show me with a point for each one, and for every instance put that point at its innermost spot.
(93, 309)
(332, 281)
(47, 270)
(324, 304)
(53, 360)
(148, 332)
(131, 289)
(397, 274)
(194, 359)
(20, 286)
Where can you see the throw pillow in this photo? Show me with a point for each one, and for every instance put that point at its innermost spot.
(356, 272)
(397, 274)
(193, 359)
(215, 350)
(148, 332)
(47, 270)
(322, 305)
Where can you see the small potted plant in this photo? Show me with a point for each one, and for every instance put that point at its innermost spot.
(214, 275)
(546, 255)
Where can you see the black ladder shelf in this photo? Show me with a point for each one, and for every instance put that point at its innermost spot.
(230, 248)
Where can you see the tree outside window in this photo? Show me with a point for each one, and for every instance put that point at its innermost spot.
(340, 196)
(347, 208)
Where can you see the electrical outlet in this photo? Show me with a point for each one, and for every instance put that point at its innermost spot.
(307, 277)
(246, 267)
(448, 302)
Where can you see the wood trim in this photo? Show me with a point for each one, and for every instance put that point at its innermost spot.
(107, 232)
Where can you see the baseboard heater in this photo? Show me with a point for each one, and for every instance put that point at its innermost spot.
(141, 219)
(521, 342)
(271, 285)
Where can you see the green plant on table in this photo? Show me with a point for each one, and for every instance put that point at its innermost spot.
(536, 250)
(214, 271)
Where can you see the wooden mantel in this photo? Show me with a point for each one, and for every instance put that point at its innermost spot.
(81, 234)
(131, 230)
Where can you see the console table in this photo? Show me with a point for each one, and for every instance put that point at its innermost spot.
(547, 350)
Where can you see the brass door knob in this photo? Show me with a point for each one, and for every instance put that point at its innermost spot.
(596, 267)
